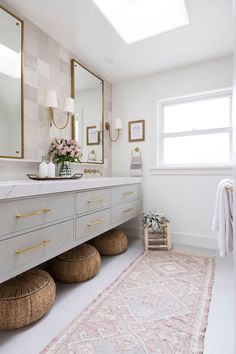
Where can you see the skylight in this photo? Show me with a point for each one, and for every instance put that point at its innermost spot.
(139, 19)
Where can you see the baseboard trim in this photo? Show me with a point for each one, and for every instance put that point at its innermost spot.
(180, 238)
(132, 231)
(201, 241)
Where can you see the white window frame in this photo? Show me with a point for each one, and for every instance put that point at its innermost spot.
(227, 92)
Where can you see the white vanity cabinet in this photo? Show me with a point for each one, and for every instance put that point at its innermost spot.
(125, 193)
(32, 248)
(89, 226)
(22, 214)
(38, 221)
(92, 200)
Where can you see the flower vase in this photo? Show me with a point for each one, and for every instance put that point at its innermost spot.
(65, 169)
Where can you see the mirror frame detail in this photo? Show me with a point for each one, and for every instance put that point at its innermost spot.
(73, 62)
(22, 84)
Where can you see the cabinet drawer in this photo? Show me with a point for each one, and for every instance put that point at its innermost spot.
(125, 193)
(23, 214)
(93, 224)
(126, 211)
(34, 245)
(92, 200)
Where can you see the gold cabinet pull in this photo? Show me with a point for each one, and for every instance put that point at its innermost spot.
(127, 193)
(96, 200)
(97, 222)
(37, 212)
(30, 248)
(128, 210)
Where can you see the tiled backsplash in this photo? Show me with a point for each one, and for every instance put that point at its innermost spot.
(46, 66)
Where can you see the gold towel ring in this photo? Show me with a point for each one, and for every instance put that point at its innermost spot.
(137, 149)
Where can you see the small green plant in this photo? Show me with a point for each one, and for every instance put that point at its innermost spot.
(154, 221)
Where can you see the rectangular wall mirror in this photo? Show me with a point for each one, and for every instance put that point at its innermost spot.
(88, 122)
(11, 85)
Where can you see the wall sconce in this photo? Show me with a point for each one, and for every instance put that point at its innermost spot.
(118, 127)
(51, 103)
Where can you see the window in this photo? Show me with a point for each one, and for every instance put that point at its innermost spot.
(195, 131)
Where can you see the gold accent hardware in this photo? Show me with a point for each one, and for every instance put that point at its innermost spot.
(97, 222)
(38, 212)
(128, 210)
(95, 200)
(30, 248)
(127, 193)
(136, 150)
(52, 119)
(89, 171)
(229, 189)
(108, 127)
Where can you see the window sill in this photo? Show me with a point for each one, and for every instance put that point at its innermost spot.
(192, 170)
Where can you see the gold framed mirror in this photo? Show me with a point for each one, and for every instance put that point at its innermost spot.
(11, 85)
(88, 121)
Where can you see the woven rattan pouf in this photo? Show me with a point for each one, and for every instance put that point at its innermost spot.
(111, 243)
(25, 299)
(79, 264)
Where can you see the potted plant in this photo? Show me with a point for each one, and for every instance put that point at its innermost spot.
(156, 231)
(154, 221)
(63, 152)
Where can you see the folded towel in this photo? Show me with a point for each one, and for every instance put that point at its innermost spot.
(136, 166)
(223, 217)
(136, 163)
(136, 160)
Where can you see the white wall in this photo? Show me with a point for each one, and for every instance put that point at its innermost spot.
(187, 200)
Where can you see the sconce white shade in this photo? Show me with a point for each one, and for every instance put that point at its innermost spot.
(69, 105)
(118, 123)
(51, 99)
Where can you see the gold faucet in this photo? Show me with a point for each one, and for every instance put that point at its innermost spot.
(93, 171)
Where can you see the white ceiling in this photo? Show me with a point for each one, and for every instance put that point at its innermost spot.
(80, 26)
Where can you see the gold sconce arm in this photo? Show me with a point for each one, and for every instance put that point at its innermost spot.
(108, 127)
(52, 120)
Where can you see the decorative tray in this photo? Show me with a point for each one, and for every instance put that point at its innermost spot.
(57, 178)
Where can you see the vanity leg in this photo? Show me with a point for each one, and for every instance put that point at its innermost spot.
(145, 237)
(167, 230)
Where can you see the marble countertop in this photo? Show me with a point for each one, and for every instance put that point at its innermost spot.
(27, 188)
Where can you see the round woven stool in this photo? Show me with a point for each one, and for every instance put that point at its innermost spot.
(111, 243)
(79, 264)
(25, 299)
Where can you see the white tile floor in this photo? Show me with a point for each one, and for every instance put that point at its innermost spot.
(71, 299)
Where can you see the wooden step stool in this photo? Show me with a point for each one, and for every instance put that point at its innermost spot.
(157, 240)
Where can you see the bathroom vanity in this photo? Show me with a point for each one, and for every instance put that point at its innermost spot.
(40, 220)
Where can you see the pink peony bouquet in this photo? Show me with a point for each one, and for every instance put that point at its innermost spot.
(62, 150)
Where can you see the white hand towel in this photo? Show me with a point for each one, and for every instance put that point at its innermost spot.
(136, 163)
(223, 217)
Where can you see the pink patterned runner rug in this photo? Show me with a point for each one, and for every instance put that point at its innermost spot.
(159, 304)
